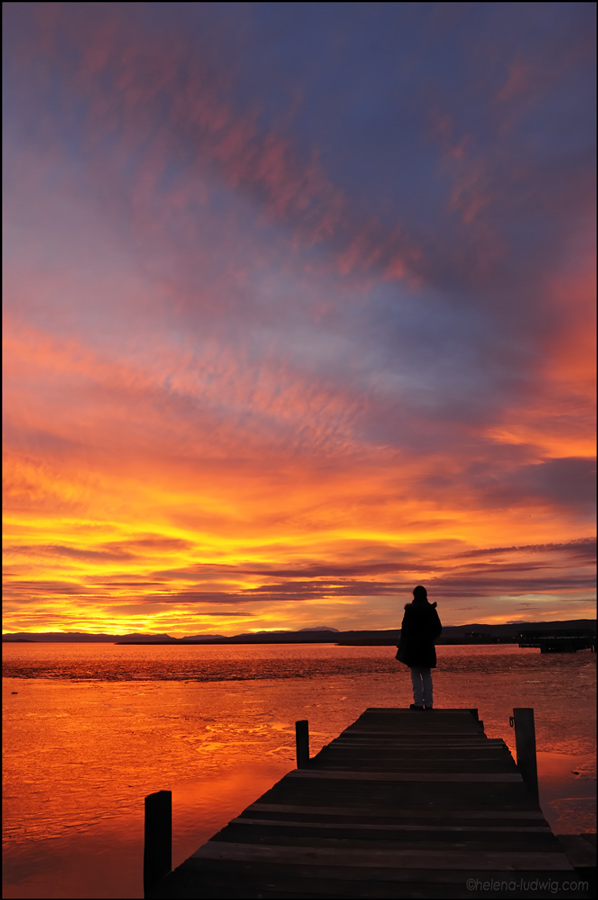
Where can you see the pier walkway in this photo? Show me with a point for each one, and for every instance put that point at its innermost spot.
(402, 804)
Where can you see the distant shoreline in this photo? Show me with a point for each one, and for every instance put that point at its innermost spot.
(477, 633)
(365, 642)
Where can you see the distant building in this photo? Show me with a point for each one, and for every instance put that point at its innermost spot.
(564, 640)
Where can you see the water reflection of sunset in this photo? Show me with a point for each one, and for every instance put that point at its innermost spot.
(265, 368)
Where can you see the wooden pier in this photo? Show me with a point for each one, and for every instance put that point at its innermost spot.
(402, 804)
(565, 641)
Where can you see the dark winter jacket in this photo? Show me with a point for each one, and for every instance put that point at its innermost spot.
(421, 627)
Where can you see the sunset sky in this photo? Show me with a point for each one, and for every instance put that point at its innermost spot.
(299, 312)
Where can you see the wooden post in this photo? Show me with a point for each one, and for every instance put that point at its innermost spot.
(302, 741)
(525, 740)
(157, 850)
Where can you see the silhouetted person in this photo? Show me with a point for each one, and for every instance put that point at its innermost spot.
(421, 627)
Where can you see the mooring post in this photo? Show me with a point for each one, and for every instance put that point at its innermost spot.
(157, 850)
(525, 740)
(302, 741)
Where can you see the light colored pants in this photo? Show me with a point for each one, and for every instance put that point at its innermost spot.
(421, 679)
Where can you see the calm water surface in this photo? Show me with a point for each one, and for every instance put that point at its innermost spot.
(90, 729)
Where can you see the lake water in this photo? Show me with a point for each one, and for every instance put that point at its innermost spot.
(91, 729)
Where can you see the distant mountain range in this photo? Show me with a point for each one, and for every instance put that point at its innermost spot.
(82, 636)
(451, 634)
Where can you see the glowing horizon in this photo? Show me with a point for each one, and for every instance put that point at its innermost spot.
(269, 367)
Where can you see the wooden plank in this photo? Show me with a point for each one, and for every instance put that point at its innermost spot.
(412, 720)
(403, 746)
(421, 751)
(439, 760)
(437, 731)
(366, 826)
(417, 771)
(371, 857)
(416, 741)
(358, 836)
(349, 841)
(416, 738)
(413, 724)
(421, 773)
(419, 742)
(312, 775)
(463, 711)
(424, 765)
(440, 803)
(278, 831)
(407, 793)
(348, 872)
(420, 738)
(414, 744)
(533, 815)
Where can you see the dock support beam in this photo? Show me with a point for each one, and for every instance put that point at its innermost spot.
(302, 741)
(157, 850)
(525, 740)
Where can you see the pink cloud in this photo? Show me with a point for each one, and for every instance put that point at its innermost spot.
(147, 75)
(517, 83)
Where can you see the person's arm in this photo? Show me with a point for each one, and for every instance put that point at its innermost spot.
(406, 623)
(404, 628)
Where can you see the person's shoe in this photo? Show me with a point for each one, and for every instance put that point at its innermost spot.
(415, 706)
(428, 708)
